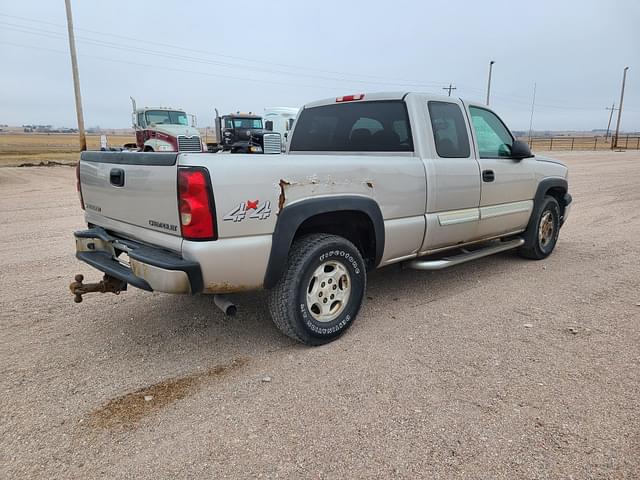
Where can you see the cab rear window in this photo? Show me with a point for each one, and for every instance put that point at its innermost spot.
(381, 126)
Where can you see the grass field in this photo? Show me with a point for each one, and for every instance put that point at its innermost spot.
(20, 148)
(24, 148)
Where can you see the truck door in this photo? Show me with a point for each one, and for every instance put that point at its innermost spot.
(453, 178)
(508, 185)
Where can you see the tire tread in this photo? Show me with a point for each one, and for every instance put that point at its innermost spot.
(282, 296)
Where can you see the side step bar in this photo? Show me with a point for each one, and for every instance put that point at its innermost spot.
(445, 262)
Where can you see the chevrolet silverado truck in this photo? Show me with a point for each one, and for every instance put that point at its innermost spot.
(367, 181)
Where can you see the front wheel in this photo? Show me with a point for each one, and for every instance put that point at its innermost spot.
(542, 238)
(321, 291)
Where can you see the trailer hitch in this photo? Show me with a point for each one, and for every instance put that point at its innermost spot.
(107, 284)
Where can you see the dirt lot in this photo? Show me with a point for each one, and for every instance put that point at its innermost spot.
(498, 369)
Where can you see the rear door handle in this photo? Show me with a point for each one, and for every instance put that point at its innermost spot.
(488, 176)
(116, 177)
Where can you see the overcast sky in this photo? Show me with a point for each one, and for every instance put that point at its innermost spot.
(250, 55)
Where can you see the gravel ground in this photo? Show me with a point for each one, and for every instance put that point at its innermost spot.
(500, 368)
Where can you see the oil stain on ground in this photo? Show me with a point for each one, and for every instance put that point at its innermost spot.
(125, 411)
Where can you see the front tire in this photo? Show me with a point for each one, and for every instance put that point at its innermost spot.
(321, 291)
(542, 236)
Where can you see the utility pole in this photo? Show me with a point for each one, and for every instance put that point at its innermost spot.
(76, 78)
(450, 87)
(612, 108)
(624, 78)
(489, 81)
(533, 103)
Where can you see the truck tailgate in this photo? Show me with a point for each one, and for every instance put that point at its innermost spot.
(131, 189)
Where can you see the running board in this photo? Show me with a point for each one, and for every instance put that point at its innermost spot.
(445, 262)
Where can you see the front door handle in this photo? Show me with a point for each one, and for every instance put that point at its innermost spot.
(488, 176)
(116, 177)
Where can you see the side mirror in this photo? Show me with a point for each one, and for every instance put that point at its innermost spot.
(520, 150)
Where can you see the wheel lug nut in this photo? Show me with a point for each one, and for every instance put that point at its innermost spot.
(330, 280)
(324, 301)
(320, 294)
(332, 296)
(334, 287)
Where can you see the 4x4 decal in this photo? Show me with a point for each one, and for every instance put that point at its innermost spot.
(239, 213)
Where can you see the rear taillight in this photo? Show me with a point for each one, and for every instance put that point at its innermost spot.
(78, 185)
(350, 98)
(195, 204)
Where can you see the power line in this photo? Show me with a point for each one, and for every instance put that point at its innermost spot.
(171, 69)
(503, 98)
(387, 81)
(184, 58)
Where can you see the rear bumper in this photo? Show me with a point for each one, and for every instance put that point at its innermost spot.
(148, 268)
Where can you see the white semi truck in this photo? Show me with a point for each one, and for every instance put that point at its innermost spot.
(280, 120)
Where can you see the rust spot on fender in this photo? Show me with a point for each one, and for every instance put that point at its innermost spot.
(227, 287)
(369, 184)
(282, 198)
(126, 410)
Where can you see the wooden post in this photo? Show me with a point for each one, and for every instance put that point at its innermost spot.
(76, 78)
(573, 139)
(626, 143)
(595, 143)
(551, 144)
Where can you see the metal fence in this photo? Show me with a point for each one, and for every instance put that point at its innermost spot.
(625, 142)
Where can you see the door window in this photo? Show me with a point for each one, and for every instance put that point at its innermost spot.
(449, 130)
(494, 139)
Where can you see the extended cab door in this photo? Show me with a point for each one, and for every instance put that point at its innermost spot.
(453, 176)
(508, 185)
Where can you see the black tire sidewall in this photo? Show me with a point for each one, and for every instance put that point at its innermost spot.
(351, 259)
(550, 204)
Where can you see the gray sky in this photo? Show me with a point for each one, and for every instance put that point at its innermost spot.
(250, 55)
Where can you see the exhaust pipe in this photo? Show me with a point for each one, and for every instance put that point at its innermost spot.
(227, 306)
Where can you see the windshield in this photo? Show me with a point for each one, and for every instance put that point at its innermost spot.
(166, 117)
(255, 123)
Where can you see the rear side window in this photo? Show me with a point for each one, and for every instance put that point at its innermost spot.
(354, 127)
(449, 130)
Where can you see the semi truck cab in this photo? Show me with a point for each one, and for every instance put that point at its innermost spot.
(162, 129)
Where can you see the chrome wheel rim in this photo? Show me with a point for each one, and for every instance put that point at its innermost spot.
(328, 291)
(546, 229)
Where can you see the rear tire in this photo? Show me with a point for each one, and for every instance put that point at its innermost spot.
(542, 234)
(321, 291)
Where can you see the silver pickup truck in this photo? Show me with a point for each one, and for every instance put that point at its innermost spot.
(367, 181)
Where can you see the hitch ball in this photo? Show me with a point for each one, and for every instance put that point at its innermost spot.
(76, 288)
(107, 284)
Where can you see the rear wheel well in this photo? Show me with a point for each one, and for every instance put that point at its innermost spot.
(353, 225)
(148, 149)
